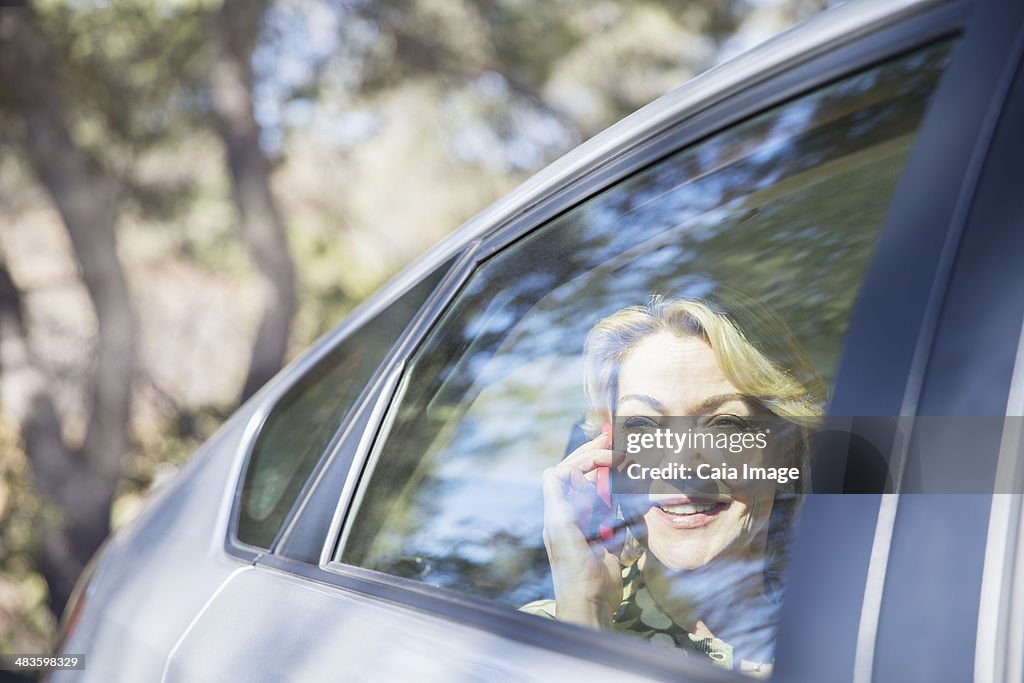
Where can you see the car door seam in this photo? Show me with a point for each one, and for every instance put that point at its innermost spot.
(199, 615)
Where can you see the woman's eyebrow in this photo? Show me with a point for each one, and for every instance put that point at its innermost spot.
(712, 402)
(649, 400)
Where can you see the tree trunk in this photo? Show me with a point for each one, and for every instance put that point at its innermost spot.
(80, 483)
(237, 28)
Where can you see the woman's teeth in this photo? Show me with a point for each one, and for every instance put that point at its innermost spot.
(687, 508)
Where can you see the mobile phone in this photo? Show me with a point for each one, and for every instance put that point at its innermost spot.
(604, 511)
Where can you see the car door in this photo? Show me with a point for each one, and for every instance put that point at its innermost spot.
(419, 531)
(919, 617)
(950, 583)
(997, 215)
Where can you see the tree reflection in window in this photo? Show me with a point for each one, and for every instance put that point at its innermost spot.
(786, 207)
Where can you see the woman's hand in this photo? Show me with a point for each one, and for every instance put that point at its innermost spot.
(586, 575)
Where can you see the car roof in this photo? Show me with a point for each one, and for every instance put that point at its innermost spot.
(797, 44)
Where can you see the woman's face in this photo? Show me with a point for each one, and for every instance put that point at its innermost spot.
(666, 375)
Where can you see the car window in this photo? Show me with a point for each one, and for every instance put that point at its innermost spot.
(302, 423)
(748, 248)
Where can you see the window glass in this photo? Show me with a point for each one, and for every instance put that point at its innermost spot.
(304, 420)
(749, 249)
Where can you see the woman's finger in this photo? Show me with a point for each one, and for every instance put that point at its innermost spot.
(558, 510)
(563, 537)
(588, 459)
(601, 441)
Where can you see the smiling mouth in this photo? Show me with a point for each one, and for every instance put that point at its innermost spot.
(687, 509)
(690, 509)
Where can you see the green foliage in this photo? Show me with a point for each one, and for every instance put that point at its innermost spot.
(133, 70)
(25, 623)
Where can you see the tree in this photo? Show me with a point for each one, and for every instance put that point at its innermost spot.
(77, 481)
(237, 27)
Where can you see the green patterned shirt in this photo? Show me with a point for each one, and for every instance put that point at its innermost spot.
(640, 615)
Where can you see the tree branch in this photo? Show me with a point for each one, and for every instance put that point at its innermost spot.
(237, 26)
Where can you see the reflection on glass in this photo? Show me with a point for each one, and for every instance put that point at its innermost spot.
(785, 207)
(693, 561)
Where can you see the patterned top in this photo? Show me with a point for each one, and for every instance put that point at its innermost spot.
(640, 615)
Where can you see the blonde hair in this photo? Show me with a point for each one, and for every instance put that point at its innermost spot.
(754, 349)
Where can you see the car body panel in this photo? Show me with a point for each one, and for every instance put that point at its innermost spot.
(166, 564)
(300, 630)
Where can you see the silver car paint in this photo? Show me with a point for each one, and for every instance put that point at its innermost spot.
(329, 633)
(155, 575)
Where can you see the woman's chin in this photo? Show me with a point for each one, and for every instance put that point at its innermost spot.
(690, 541)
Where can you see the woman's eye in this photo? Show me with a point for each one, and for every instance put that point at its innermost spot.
(640, 422)
(729, 422)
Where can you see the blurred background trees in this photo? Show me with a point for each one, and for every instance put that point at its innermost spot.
(192, 190)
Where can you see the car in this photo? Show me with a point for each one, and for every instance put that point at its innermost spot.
(376, 510)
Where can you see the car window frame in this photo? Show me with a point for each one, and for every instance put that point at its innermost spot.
(999, 654)
(958, 382)
(371, 405)
(999, 648)
(278, 388)
(900, 34)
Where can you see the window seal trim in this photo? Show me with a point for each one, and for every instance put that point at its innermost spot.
(874, 588)
(997, 656)
(377, 387)
(233, 545)
(375, 424)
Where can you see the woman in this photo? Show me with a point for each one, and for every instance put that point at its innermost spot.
(698, 571)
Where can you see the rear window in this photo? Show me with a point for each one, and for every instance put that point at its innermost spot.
(302, 423)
